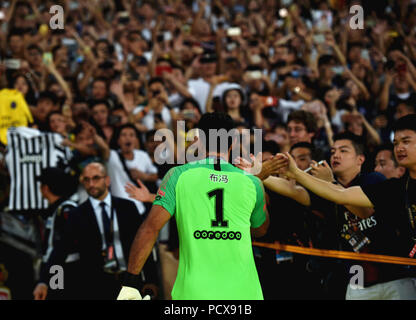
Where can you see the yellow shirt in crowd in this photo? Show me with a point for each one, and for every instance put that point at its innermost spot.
(14, 112)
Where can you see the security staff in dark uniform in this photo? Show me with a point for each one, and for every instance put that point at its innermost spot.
(57, 187)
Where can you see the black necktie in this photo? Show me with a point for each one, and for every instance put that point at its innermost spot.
(106, 224)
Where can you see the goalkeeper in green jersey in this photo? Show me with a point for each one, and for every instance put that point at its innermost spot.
(217, 207)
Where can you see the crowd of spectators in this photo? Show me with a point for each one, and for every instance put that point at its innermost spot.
(120, 70)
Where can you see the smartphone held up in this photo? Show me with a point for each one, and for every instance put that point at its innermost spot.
(269, 101)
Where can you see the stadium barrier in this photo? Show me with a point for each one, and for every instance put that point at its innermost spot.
(337, 254)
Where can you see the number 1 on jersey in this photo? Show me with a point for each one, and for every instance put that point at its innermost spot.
(219, 208)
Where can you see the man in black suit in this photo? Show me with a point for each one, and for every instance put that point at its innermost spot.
(102, 230)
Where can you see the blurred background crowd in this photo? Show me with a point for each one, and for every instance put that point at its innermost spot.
(295, 69)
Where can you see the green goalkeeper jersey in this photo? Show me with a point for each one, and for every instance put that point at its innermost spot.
(215, 205)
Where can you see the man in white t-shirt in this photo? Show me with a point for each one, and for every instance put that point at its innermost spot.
(129, 164)
(201, 86)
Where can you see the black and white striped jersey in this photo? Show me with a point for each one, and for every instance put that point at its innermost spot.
(28, 152)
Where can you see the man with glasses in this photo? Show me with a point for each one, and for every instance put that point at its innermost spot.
(102, 230)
